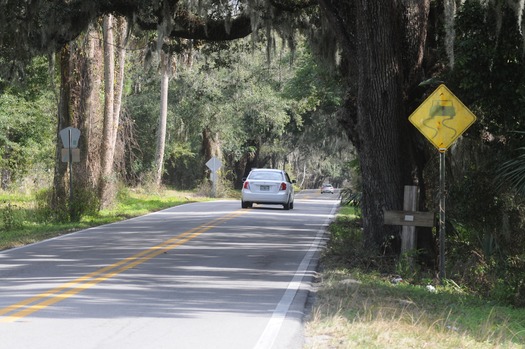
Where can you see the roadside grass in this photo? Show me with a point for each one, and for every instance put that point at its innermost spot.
(22, 222)
(358, 309)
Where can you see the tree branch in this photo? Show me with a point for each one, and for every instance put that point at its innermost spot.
(293, 5)
(187, 26)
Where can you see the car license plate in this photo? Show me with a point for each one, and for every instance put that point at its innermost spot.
(265, 188)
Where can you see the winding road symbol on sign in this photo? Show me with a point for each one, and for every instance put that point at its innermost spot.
(440, 109)
(442, 118)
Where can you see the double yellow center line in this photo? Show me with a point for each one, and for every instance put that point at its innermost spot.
(30, 305)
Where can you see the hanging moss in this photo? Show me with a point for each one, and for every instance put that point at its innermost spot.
(32, 27)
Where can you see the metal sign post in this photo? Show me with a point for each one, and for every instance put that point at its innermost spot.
(442, 215)
(214, 164)
(70, 162)
(442, 118)
(70, 154)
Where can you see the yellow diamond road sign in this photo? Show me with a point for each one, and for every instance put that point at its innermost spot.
(442, 118)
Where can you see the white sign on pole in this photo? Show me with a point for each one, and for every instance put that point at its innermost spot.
(214, 164)
(73, 157)
(65, 136)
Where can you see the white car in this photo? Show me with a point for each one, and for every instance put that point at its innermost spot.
(327, 188)
(268, 186)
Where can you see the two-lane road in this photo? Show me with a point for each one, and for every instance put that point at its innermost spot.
(203, 275)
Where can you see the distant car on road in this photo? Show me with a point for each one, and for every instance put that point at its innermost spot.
(327, 188)
(268, 186)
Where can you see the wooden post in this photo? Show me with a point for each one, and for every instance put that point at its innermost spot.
(408, 232)
(409, 218)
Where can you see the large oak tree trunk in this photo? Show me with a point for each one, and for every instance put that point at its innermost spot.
(380, 111)
(78, 107)
(60, 187)
(89, 112)
(383, 43)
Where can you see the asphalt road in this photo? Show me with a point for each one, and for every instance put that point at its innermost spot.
(201, 275)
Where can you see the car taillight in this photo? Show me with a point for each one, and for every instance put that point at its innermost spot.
(283, 186)
(246, 185)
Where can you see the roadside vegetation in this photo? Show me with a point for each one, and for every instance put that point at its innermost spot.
(360, 306)
(24, 219)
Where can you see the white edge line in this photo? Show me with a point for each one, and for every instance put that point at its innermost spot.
(269, 335)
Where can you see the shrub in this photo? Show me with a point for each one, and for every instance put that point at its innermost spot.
(11, 215)
(85, 202)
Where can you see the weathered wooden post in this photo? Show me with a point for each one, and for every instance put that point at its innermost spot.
(409, 218)
(408, 232)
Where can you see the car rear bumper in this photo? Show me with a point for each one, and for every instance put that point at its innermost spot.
(265, 198)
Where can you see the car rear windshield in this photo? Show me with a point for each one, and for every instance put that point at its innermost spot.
(270, 176)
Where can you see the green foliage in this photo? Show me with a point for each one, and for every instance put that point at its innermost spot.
(407, 266)
(351, 198)
(320, 145)
(10, 216)
(143, 108)
(485, 235)
(485, 215)
(351, 195)
(43, 212)
(512, 172)
(313, 86)
(85, 203)
(27, 126)
(40, 222)
(254, 109)
(183, 166)
(489, 69)
(223, 189)
(346, 244)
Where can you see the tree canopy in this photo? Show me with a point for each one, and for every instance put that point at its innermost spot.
(30, 27)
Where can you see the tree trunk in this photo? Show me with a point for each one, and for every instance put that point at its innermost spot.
(89, 59)
(113, 87)
(386, 39)
(78, 106)
(60, 189)
(122, 26)
(161, 131)
(107, 178)
(210, 144)
(87, 106)
(379, 111)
